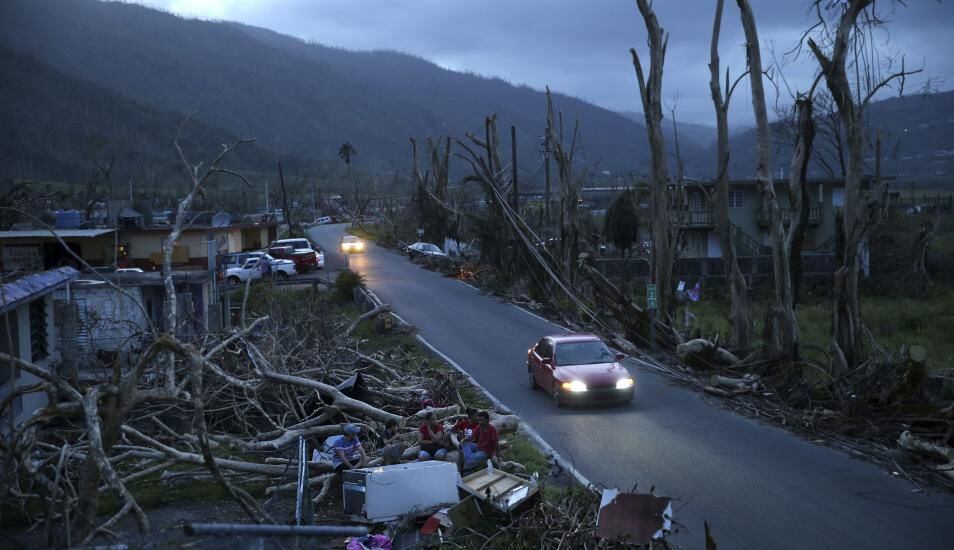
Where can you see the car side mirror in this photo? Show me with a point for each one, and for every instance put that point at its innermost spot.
(620, 356)
(547, 361)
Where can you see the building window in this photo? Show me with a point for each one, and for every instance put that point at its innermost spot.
(735, 199)
(38, 336)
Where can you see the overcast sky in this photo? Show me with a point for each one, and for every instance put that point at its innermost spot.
(580, 47)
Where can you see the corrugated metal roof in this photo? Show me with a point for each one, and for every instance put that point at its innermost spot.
(63, 233)
(33, 285)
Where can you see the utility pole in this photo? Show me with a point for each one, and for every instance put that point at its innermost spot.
(314, 201)
(286, 212)
(266, 197)
(546, 172)
(513, 163)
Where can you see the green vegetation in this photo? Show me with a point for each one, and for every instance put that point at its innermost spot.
(893, 321)
(345, 284)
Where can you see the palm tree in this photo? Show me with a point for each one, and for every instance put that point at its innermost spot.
(345, 152)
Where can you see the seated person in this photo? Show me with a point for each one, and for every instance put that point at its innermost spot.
(432, 439)
(393, 449)
(483, 444)
(465, 427)
(347, 452)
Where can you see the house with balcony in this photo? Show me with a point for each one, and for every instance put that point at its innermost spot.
(751, 224)
(29, 331)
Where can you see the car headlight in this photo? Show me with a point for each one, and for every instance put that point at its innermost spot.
(624, 383)
(574, 386)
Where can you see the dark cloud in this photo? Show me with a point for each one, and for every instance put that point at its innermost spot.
(581, 48)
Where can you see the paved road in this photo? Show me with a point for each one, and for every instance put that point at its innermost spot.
(759, 486)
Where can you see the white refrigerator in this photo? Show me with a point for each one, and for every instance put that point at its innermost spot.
(385, 493)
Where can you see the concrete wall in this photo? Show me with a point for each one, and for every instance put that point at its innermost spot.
(714, 246)
(23, 406)
(747, 217)
(145, 245)
(112, 321)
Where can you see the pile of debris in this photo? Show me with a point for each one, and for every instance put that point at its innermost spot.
(231, 409)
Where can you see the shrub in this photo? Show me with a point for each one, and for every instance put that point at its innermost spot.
(345, 283)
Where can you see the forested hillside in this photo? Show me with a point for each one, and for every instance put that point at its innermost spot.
(295, 98)
(57, 127)
(917, 141)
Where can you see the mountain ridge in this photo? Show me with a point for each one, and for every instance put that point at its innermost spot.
(295, 97)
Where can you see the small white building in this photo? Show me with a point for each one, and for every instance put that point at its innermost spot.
(28, 331)
(113, 316)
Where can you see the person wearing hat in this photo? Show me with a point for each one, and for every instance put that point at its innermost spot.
(348, 454)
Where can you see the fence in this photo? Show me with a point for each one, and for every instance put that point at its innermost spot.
(922, 203)
(756, 268)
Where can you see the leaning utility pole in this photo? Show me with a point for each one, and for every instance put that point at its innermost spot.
(513, 167)
(546, 171)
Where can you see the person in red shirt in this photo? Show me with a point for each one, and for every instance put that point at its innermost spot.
(432, 439)
(465, 427)
(484, 443)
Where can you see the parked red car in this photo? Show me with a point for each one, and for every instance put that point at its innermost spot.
(304, 261)
(578, 367)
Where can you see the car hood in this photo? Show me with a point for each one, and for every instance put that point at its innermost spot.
(594, 373)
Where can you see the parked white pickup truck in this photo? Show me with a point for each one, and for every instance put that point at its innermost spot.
(253, 269)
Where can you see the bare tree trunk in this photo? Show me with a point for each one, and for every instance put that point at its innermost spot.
(846, 307)
(739, 313)
(781, 327)
(921, 245)
(797, 193)
(571, 186)
(650, 92)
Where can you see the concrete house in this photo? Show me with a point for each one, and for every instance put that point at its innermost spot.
(106, 324)
(751, 227)
(38, 249)
(29, 331)
(143, 246)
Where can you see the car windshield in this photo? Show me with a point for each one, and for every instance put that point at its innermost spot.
(431, 248)
(582, 353)
(350, 239)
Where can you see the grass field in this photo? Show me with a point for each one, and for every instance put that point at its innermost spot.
(893, 321)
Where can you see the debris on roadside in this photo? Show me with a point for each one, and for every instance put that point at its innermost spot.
(633, 517)
(499, 489)
(385, 493)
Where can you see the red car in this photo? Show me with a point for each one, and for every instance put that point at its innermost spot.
(578, 367)
(304, 261)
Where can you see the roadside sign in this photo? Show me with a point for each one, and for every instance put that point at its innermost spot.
(651, 296)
